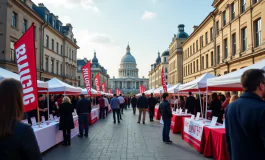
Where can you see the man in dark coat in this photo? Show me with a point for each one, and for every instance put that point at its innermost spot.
(151, 104)
(142, 105)
(83, 109)
(245, 119)
(190, 103)
(134, 103)
(166, 113)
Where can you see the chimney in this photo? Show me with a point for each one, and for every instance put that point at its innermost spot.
(41, 5)
(194, 28)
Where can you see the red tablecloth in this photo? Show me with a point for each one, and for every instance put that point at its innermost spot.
(177, 123)
(157, 114)
(214, 144)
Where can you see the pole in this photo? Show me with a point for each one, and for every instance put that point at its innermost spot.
(206, 102)
(200, 101)
(48, 101)
(38, 114)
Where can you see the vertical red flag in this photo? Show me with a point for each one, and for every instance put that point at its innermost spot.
(163, 79)
(104, 87)
(97, 82)
(117, 91)
(140, 88)
(86, 71)
(26, 63)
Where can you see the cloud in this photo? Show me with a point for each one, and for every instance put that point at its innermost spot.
(148, 15)
(65, 19)
(100, 38)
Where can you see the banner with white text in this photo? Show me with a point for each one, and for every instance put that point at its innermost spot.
(86, 71)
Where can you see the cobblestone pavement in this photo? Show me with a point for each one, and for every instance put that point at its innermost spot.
(125, 141)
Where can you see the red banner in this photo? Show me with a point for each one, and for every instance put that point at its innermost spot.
(26, 63)
(104, 87)
(117, 91)
(97, 83)
(163, 79)
(140, 88)
(86, 71)
(110, 92)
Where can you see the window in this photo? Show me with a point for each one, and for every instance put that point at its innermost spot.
(243, 6)
(207, 61)
(257, 26)
(57, 47)
(244, 39)
(218, 54)
(47, 64)
(61, 67)
(193, 48)
(211, 58)
(57, 67)
(233, 13)
(46, 17)
(53, 23)
(201, 41)
(196, 45)
(217, 27)
(188, 69)
(202, 63)
(206, 38)
(69, 53)
(194, 66)
(59, 28)
(211, 34)
(73, 56)
(25, 25)
(197, 65)
(61, 49)
(255, 1)
(190, 50)
(53, 44)
(12, 52)
(165, 69)
(52, 65)
(233, 44)
(224, 18)
(225, 49)
(47, 41)
(14, 19)
(165, 59)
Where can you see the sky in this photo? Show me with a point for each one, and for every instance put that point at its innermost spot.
(107, 26)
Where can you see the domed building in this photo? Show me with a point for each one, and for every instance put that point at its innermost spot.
(128, 80)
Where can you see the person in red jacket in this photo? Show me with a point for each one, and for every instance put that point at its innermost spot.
(101, 102)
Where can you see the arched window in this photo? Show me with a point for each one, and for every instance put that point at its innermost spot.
(165, 69)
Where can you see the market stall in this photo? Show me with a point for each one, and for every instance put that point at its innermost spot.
(176, 121)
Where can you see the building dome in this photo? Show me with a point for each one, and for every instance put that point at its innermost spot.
(181, 33)
(95, 60)
(128, 58)
(165, 53)
(158, 60)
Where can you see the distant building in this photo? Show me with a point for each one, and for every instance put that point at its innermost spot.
(128, 81)
(96, 68)
(56, 47)
(156, 69)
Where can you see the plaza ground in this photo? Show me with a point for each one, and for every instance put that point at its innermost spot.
(125, 141)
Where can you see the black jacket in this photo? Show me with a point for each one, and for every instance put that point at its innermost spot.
(142, 102)
(152, 102)
(216, 106)
(245, 128)
(164, 110)
(134, 102)
(190, 104)
(66, 118)
(83, 106)
(21, 145)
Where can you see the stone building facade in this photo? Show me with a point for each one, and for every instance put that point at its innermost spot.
(56, 47)
(96, 68)
(229, 38)
(128, 81)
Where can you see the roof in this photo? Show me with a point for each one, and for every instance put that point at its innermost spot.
(165, 53)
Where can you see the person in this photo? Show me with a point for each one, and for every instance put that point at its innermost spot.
(74, 101)
(52, 107)
(233, 98)
(142, 105)
(101, 102)
(227, 100)
(106, 106)
(216, 106)
(197, 104)
(166, 113)
(190, 103)
(83, 109)
(17, 140)
(129, 101)
(42, 107)
(181, 102)
(151, 104)
(66, 120)
(222, 97)
(115, 106)
(134, 103)
(245, 119)
(122, 101)
(60, 100)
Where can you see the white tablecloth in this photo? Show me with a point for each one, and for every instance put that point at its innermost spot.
(50, 135)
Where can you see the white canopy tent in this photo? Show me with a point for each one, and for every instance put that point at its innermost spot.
(174, 88)
(198, 84)
(160, 90)
(149, 91)
(58, 87)
(8, 74)
(231, 81)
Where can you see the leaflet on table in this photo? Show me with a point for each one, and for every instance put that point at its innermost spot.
(94, 113)
(186, 111)
(33, 121)
(198, 116)
(193, 128)
(192, 117)
(51, 117)
(214, 120)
